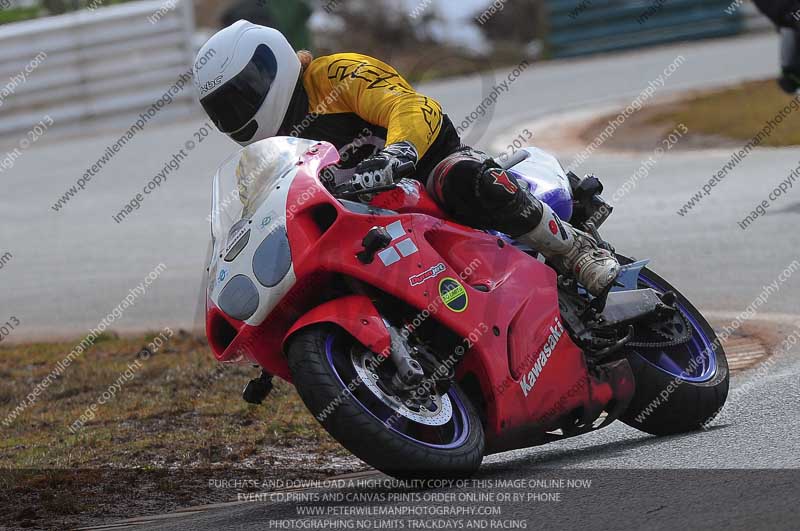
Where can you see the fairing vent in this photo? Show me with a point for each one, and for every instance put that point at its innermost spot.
(325, 216)
(221, 335)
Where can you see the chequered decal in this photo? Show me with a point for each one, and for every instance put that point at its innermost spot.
(399, 249)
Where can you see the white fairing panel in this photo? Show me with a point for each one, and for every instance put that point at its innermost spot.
(543, 168)
(546, 180)
(249, 203)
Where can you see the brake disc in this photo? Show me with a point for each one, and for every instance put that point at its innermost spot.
(439, 416)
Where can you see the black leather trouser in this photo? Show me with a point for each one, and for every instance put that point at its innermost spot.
(471, 188)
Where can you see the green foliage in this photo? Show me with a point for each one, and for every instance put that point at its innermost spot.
(18, 14)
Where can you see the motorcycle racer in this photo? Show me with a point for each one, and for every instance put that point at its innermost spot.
(256, 86)
(785, 14)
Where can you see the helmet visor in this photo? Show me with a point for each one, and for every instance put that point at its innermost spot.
(236, 102)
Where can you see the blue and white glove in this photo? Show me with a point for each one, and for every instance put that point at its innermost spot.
(380, 169)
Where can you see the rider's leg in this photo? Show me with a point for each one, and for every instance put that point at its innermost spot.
(790, 60)
(782, 13)
(786, 15)
(477, 193)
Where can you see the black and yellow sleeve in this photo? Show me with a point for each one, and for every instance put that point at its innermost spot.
(376, 92)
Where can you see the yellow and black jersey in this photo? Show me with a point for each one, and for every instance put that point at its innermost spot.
(360, 104)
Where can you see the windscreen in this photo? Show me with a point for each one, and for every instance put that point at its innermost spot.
(246, 179)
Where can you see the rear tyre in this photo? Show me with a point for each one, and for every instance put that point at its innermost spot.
(679, 389)
(322, 367)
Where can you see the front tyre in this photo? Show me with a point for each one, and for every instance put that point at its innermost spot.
(680, 388)
(444, 439)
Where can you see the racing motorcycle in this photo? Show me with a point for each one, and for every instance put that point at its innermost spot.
(421, 344)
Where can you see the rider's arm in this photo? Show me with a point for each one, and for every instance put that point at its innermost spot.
(374, 91)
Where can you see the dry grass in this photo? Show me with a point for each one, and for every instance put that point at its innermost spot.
(180, 417)
(737, 113)
(727, 117)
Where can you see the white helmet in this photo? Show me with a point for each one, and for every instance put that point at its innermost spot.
(246, 75)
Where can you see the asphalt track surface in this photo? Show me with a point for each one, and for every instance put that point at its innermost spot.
(742, 473)
(70, 268)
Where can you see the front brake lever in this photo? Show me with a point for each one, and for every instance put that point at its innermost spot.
(347, 192)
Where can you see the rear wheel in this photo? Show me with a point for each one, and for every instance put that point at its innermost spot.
(349, 391)
(678, 388)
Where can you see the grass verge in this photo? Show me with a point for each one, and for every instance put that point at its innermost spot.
(727, 117)
(155, 443)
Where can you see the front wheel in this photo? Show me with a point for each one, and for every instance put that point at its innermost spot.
(678, 388)
(349, 390)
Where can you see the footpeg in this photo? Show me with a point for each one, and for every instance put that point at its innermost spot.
(257, 389)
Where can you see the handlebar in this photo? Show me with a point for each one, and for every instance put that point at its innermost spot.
(345, 190)
(405, 170)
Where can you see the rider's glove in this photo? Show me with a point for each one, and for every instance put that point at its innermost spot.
(381, 169)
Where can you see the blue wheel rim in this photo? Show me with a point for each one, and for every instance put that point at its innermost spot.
(677, 361)
(460, 420)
